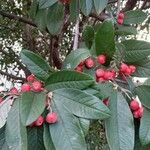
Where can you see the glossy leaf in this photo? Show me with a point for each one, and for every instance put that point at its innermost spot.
(75, 57)
(67, 132)
(46, 3)
(136, 50)
(40, 18)
(68, 79)
(126, 30)
(32, 106)
(48, 143)
(134, 16)
(104, 39)
(142, 68)
(100, 5)
(85, 125)
(81, 104)
(16, 135)
(86, 6)
(35, 138)
(37, 65)
(120, 126)
(55, 18)
(143, 93)
(145, 127)
(5, 107)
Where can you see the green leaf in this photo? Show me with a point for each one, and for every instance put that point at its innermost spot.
(126, 30)
(120, 126)
(33, 9)
(35, 138)
(40, 18)
(136, 50)
(46, 3)
(55, 18)
(134, 16)
(86, 6)
(16, 135)
(142, 68)
(37, 65)
(100, 5)
(67, 133)
(75, 57)
(88, 35)
(32, 106)
(145, 127)
(48, 143)
(73, 10)
(81, 104)
(68, 79)
(104, 39)
(5, 107)
(143, 93)
(105, 89)
(2, 136)
(85, 125)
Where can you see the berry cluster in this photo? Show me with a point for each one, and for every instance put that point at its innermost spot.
(50, 118)
(89, 63)
(36, 86)
(126, 69)
(120, 18)
(103, 75)
(136, 108)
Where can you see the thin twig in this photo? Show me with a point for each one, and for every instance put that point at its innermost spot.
(12, 76)
(76, 37)
(18, 18)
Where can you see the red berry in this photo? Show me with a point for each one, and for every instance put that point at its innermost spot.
(123, 67)
(51, 117)
(13, 90)
(134, 105)
(132, 68)
(113, 73)
(120, 21)
(31, 78)
(138, 113)
(101, 59)
(99, 73)
(120, 15)
(106, 101)
(128, 71)
(79, 68)
(100, 79)
(141, 111)
(39, 121)
(81, 63)
(89, 63)
(1, 99)
(25, 87)
(108, 75)
(37, 86)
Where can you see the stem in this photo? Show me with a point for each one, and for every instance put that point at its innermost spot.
(76, 37)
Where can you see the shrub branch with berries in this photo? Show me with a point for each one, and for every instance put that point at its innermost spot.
(53, 109)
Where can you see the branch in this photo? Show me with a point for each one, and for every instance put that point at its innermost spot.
(12, 76)
(18, 18)
(101, 17)
(144, 4)
(130, 4)
(76, 34)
